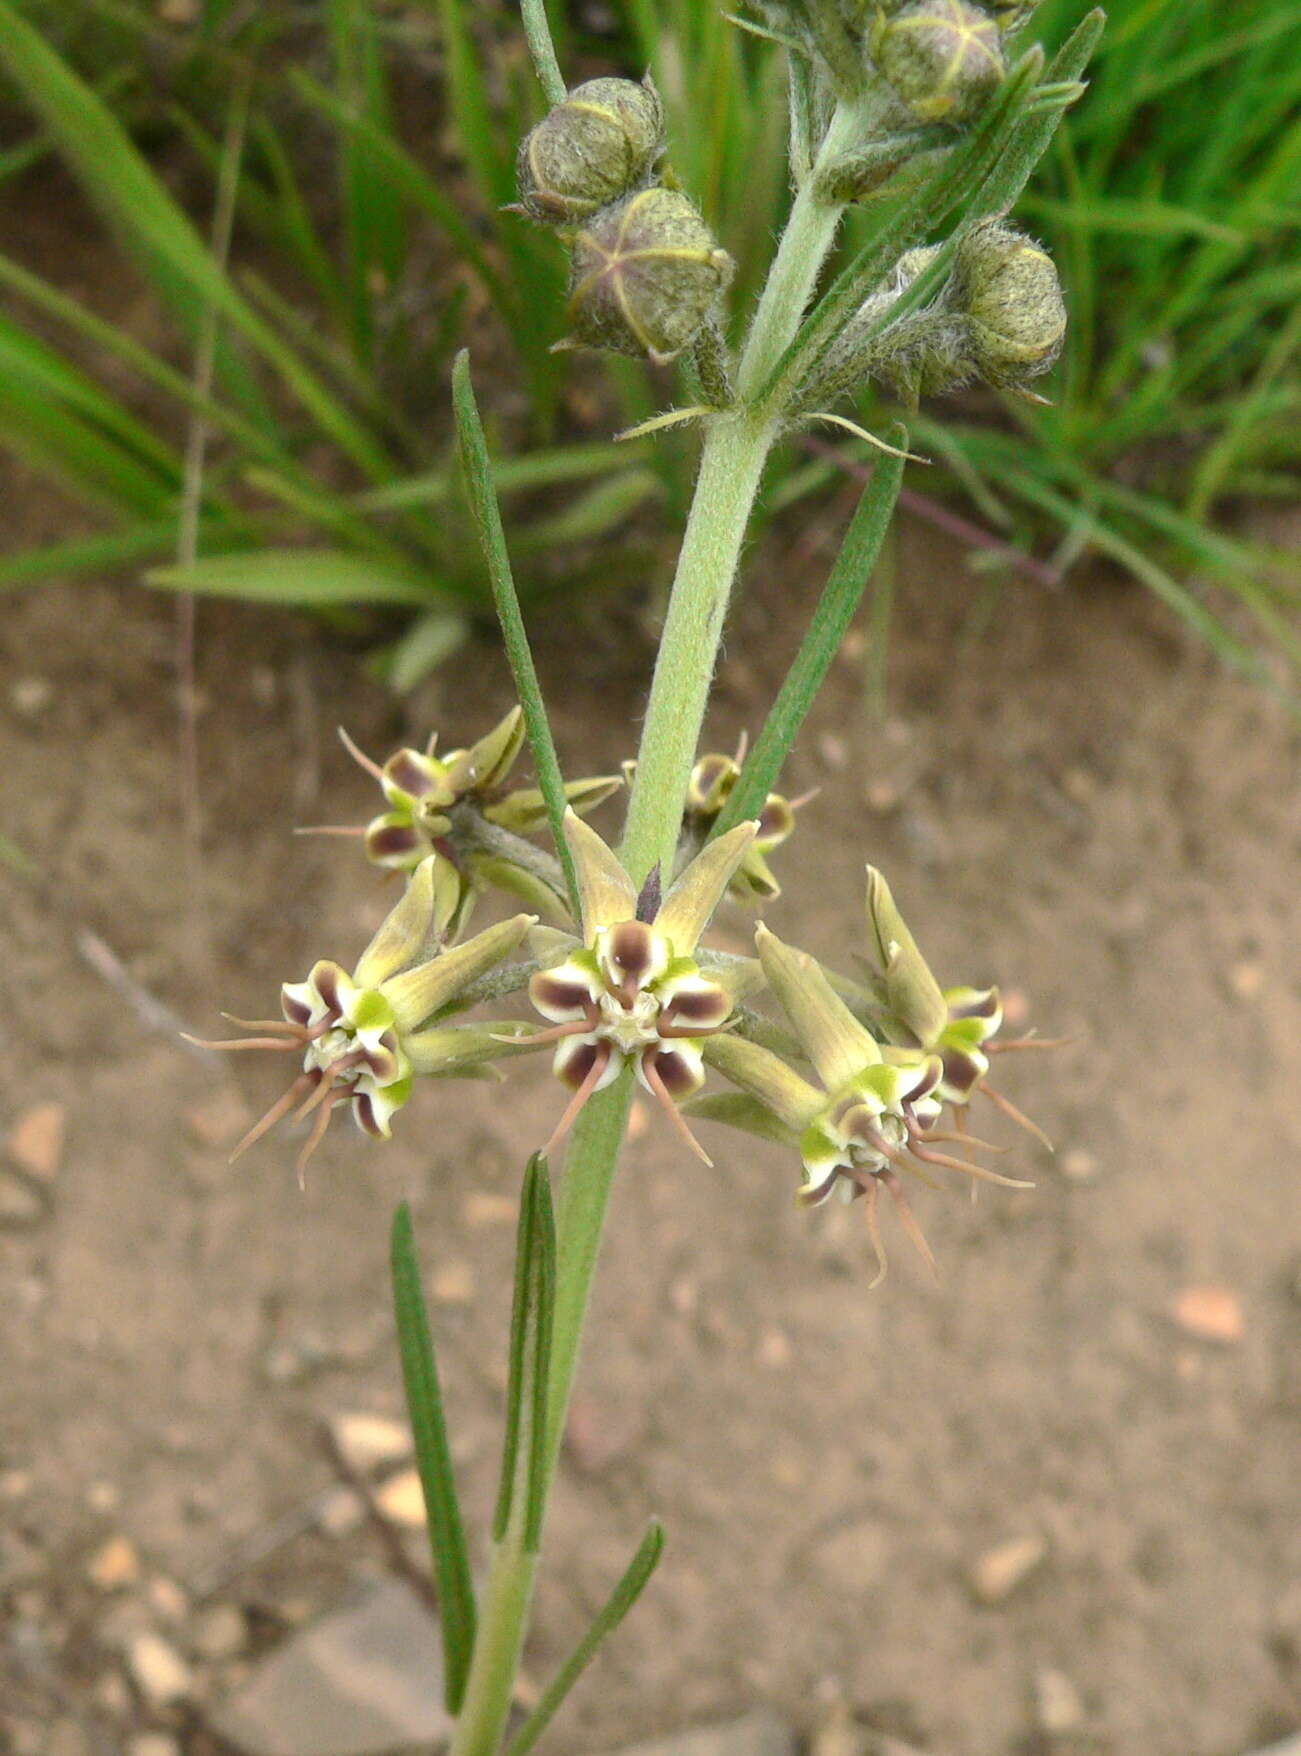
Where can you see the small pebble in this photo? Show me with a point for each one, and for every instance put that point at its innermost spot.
(1247, 978)
(482, 1208)
(833, 750)
(153, 1744)
(114, 1565)
(1211, 1313)
(158, 1670)
(35, 1142)
(998, 1572)
(1077, 1165)
(881, 796)
(339, 1511)
(452, 1283)
(774, 1350)
(30, 696)
(15, 1484)
(167, 1599)
(1057, 1705)
(219, 1120)
(103, 1496)
(366, 1441)
(402, 1500)
(219, 1632)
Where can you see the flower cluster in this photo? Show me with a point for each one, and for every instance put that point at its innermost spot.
(853, 1078)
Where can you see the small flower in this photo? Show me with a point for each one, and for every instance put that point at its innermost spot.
(874, 1116)
(598, 144)
(957, 1024)
(710, 787)
(632, 989)
(942, 58)
(646, 274)
(359, 1035)
(422, 788)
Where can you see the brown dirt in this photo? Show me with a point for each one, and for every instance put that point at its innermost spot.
(1086, 810)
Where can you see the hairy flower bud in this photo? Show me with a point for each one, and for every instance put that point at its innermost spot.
(597, 145)
(1007, 287)
(943, 58)
(646, 274)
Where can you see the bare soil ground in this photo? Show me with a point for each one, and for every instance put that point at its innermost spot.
(1076, 803)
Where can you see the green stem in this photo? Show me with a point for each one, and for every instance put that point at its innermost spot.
(731, 466)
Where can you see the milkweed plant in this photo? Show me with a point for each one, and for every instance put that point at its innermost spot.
(933, 114)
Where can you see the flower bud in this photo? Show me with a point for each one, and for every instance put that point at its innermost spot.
(1007, 287)
(596, 146)
(943, 58)
(646, 274)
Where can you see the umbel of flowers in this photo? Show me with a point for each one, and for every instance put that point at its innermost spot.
(853, 1078)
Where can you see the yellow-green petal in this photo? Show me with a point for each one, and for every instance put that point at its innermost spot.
(836, 1043)
(697, 891)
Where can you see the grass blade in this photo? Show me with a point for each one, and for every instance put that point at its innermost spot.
(313, 578)
(487, 517)
(835, 611)
(617, 1605)
(457, 1614)
(139, 207)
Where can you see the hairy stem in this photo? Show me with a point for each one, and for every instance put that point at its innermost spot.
(731, 466)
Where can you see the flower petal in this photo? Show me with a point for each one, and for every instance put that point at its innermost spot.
(836, 1043)
(418, 993)
(766, 1077)
(416, 925)
(563, 994)
(606, 892)
(696, 892)
(912, 993)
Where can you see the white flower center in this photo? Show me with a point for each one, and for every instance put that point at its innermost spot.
(629, 1028)
(328, 1049)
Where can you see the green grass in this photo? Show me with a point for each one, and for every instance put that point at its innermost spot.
(369, 246)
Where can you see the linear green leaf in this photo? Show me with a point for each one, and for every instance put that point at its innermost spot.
(831, 619)
(544, 1306)
(518, 1337)
(457, 1613)
(620, 1601)
(473, 449)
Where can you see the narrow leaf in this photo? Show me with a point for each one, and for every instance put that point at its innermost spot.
(518, 1336)
(473, 450)
(544, 1304)
(620, 1601)
(831, 619)
(457, 1614)
(298, 577)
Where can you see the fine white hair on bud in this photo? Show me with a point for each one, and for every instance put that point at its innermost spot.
(597, 145)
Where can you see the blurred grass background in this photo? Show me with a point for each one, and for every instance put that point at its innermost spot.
(313, 197)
